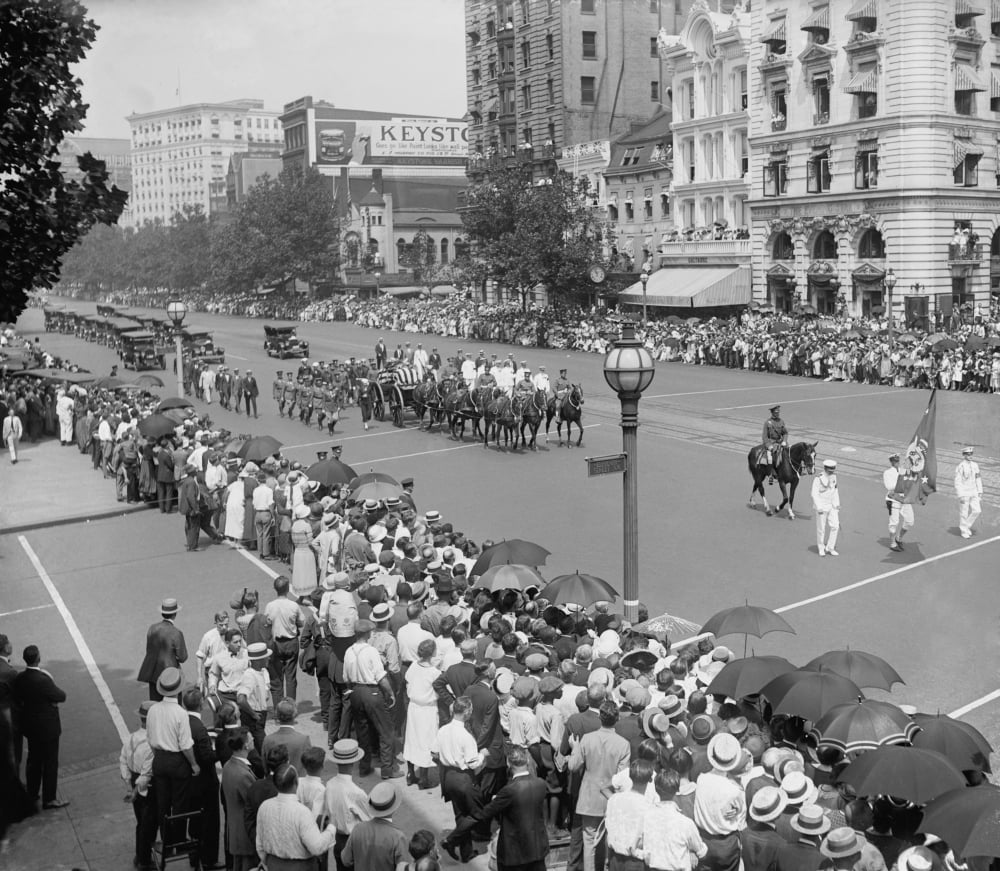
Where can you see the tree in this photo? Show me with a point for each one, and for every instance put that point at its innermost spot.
(419, 256)
(189, 249)
(529, 234)
(42, 214)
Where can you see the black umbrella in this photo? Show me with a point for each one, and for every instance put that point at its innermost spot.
(331, 473)
(156, 426)
(515, 550)
(174, 402)
(258, 449)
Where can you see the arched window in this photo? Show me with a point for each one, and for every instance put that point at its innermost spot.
(400, 249)
(871, 245)
(444, 251)
(825, 246)
(783, 248)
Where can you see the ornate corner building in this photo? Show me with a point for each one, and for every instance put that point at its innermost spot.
(875, 144)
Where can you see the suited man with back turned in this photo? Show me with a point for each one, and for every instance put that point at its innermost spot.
(38, 697)
(165, 648)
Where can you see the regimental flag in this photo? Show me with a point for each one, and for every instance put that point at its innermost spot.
(918, 478)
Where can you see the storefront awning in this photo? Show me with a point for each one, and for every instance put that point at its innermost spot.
(404, 291)
(863, 83)
(776, 33)
(964, 7)
(863, 9)
(994, 86)
(819, 20)
(966, 79)
(697, 287)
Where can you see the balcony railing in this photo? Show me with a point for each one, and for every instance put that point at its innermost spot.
(821, 118)
(706, 247)
(779, 123)
(964, 253)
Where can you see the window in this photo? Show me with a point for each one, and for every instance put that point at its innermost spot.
(552, 134)
(867, 105)
(818, 173)
(825, 246)
(743, 89)
(444, 251)
(588, 95)
(526, 136)
(871, 246)
(821, 100)
(550, 90)
(783, 248)
(491, 28)
(965, 102)
(647, 204)
(525, 54)
(587, 7)
(967, 171)
(550, 46)
(629, 207)
(654, 91)
(776, 178)
(526, 97)
(590, 43)
(613, 211)
(524, 11)
(492, 70)
(631, 156)
(866, 170)
(652, 47)
(779, 107)
(654, 5)
(476, 75)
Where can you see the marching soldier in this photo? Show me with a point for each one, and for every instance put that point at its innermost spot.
(305, 398)
(278, 393)
(318, 394)
(331, 409)
(288, 394)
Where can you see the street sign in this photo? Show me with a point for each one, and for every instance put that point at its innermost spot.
(607, 465)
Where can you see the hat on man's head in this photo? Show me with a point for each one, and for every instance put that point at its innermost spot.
(337, 581)
(774, 408)
(301, 512)
(918, 858)
(724, 752)
(702, 728)
(393, 502)
(840, 843)
(433, 516)
(799, 788)
(144, 708)
(738, 726)
(550, 684)
(384, 799)
(257, 651)
(767, 804)
(346, 751)
(377, 532)
(672, 706)
(524, 688)
(536, 661)
(419, 591)
(381, 612)
(364, 626)
(830, 464)
(638, 697)
(967, 451)
(503, 682)
(654, 723)
(406, 482)
(370, 505)
(169, 607)
(810, 820)
(170, 682)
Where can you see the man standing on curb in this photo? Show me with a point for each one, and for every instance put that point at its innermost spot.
(969, 489)
(38, 698)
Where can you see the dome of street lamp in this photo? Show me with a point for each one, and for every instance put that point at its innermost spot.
(177, 310)
(629, 367)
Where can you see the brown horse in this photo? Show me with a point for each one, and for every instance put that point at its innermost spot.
(499, 417)
(530, 410)
(429, 398)
(792, 464)
(571, 409)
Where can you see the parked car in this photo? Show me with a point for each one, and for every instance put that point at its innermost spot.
(199, 345)
(282, 342)
(140, 351)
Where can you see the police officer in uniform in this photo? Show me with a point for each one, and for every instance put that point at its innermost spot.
(278, 393)
(775, 436)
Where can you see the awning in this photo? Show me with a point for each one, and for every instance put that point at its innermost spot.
(493, 105)
(868, 145)
(776, 33)
(994, 87)
(995, 11)
(404, 291)
(966, 79)
(819, 20)
(863, 83)
(863, 9)
(964, 7)
(963, 148)
(697, 287)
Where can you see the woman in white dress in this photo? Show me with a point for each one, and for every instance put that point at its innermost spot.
(420, 740)
(235, 508)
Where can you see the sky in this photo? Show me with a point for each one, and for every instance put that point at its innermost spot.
(400, 56)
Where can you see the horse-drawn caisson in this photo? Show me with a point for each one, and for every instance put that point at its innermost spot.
(393, 389)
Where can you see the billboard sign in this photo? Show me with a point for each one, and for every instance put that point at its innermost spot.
(391, 140)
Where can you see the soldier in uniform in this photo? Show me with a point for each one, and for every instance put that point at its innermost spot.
(541, 381)
(560, 389)
(525, 387)
(305, 399)
(775, 436)
(319, 391)
(288, 394)
(486, 379)
(278, 393)
(332, 409)
(434, 363)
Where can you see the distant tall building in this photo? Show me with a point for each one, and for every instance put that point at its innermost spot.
(542, 75)
(180, 156)
(117, 157)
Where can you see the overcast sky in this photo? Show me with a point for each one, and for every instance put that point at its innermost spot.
(404, 56)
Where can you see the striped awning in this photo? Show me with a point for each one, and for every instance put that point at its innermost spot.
(868, 145)
(863, 83)
(966, 79)
(863, 9)
(994, 86)
(964, 7)
(965, 147)
(819, 20)
(695, 287)
(776, 33)
(995, 11)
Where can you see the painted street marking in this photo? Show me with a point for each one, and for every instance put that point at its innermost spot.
(236, 357)
(978, 703)
(337, 439)
(25, 610)
(815, 399)
(729, 390)
(893, 572)
(81, 644)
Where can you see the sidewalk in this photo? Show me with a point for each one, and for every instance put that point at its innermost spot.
(52, 485)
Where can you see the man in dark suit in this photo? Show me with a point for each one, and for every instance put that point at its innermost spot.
(205, 791)
(250, 392)
(165, 648)
(484, 723)
(166, 487)
(455, 679)
(296, 742)
(523, 843)
(237, 779)
(38, 696)
(8, 706)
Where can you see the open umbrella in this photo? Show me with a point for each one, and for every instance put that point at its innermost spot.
(510, 577)
(968, 820)
(693, 320)
(514, 550)
(851, 334)
(974, 343)
(903, 772)
(779, 327)
(865, 669)
(147, 380)
(945, 344)
(233, 445)
(906, 338)
(372, 478)
(579, 589)
(936, 337)
(667, 626)
(177, 415)
(156, 426)
(963, 744)
(108, 382)
(258, 449)
(674, 319)
(174, 402)
(863, 725)
(745, 677)
(746, 620)
(809, 694)
(331, 473)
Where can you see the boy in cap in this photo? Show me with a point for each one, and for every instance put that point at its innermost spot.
(826, 504)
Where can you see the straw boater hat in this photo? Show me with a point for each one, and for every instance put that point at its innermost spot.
(384, 800)
(169, 607)
(724, 752)
(799, 789)
(810, 820)
(840, 843)
(347, 751)
(257, 651)
(768, 804)
(170, 682)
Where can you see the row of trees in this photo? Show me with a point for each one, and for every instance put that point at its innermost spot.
(285, 228)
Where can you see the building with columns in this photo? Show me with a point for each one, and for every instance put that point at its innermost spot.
(875, 145)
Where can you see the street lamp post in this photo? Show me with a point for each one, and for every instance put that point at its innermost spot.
(378, 275)
(644, 278)
(890, 282)
(177, 311)
(629, 370)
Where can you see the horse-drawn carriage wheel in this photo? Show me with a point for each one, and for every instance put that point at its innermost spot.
(378, 401)
(397, 404)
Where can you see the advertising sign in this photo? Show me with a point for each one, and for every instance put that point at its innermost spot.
(391, 140)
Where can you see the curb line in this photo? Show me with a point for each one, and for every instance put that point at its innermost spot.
(77, 518)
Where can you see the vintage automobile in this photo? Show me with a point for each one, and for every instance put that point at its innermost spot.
(199, 345)
(140, 351)
(282, 342)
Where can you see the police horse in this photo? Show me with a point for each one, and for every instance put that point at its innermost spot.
(792, 464)
(572, 412)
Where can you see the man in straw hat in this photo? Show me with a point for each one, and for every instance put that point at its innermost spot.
(760, 842)
(842, 847)
(345, 803)
(376, 839)
(253, 695)
(372, 697)
(135, 764)
(165, 647)
(969, 490)
(809, 824)
(720, 803)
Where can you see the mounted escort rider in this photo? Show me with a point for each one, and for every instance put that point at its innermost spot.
(775, 437)
(561, 390)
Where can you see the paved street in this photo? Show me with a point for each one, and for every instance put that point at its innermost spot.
(929, 611)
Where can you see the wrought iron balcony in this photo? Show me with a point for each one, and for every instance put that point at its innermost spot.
(964, 253)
